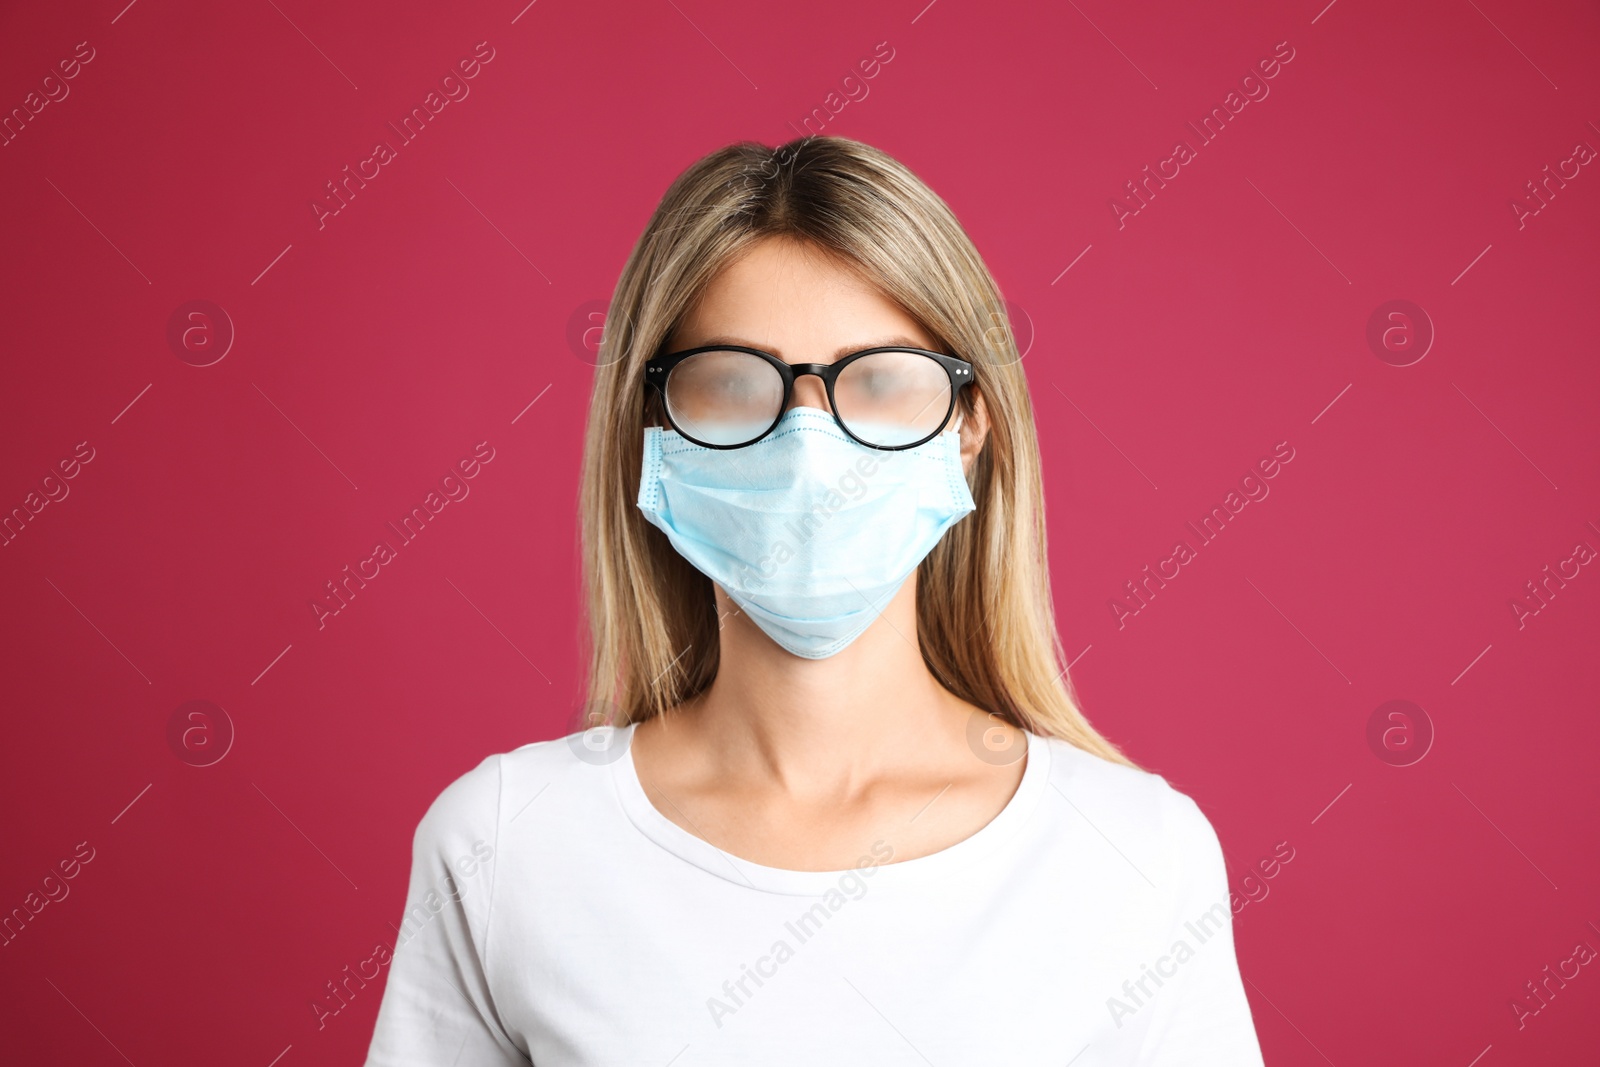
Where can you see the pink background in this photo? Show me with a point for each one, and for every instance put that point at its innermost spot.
(447, 296)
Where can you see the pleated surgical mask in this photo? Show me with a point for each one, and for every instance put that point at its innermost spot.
(810, 533)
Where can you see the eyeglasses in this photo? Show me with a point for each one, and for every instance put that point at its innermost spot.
(730, 396)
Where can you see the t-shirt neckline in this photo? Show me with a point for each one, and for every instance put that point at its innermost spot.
(642, 812)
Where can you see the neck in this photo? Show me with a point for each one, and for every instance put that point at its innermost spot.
(819, 725)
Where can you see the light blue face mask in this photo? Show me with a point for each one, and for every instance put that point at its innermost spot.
(810, 533)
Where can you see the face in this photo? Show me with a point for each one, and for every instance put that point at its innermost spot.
(791, 301)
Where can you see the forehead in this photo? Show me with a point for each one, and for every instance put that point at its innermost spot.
(797, 303)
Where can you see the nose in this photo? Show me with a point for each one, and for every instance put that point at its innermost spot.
(809, 391)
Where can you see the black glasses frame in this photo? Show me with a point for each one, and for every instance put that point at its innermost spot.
(659, 369)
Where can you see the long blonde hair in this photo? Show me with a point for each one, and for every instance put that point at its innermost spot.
(984, 614)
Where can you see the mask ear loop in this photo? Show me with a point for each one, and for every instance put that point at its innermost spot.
(961, 417)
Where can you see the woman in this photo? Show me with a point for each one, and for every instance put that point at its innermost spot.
(837, 804)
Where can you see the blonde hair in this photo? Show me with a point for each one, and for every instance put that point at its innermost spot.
(984, 614)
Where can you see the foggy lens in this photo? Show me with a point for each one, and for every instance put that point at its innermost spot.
(892, 398)
(724, 398)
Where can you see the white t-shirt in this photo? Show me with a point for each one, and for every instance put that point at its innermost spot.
(554, 915)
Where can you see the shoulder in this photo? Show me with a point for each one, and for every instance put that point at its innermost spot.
(471, 809)
(1159, 828)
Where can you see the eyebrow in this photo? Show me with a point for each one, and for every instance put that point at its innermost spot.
(896, 341)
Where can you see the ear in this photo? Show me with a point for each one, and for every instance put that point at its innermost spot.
(974, 429)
